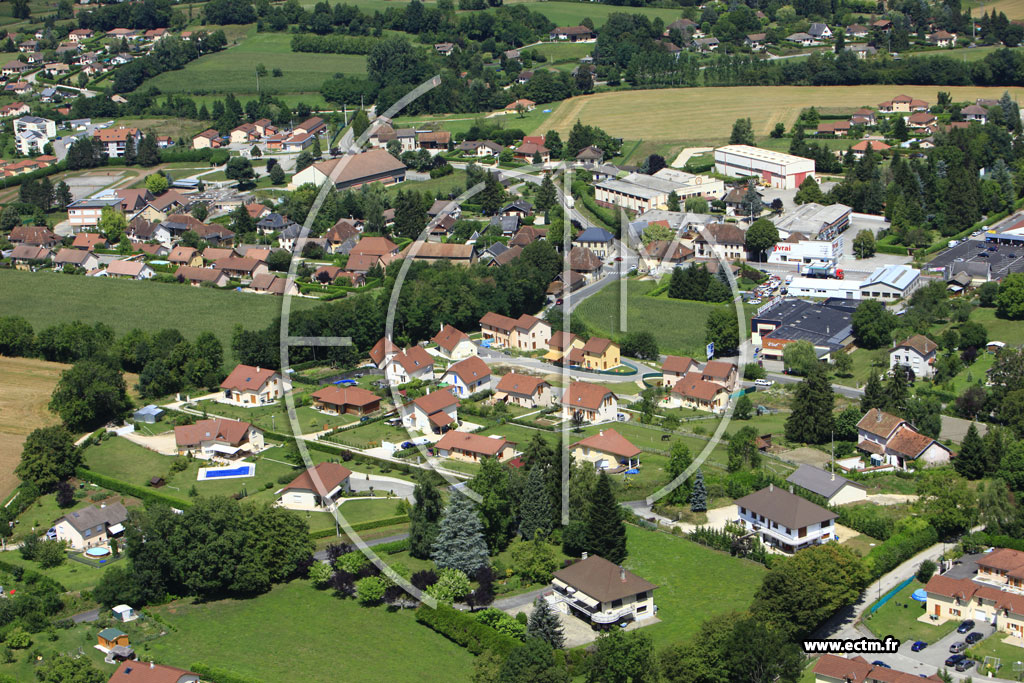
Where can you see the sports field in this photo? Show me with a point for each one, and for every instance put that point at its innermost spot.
(707, 114)
(234, 70)
(47, 298)
(25, 388)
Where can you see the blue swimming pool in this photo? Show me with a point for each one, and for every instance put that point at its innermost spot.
(242, 471)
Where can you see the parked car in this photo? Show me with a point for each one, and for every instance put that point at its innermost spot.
(763, 382)
(973, 637)
(953, 660)
(621, 417)
(407, 444)
(958, 647)
(879, 662)
(964, 664)
(965, 626)
(918, 646)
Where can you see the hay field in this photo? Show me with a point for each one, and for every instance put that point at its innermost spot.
(707, 114)
(25, 388)
(1014, 9)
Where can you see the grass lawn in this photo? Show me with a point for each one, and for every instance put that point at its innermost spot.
(234, 69)
(557, 52)
(275, 417)
(998, 328)
(25, 388)
(357, 511)
(993, 646)
(129, 462)
(532, 121)
(445, 184)
(894, 619)
(694, 582)
(706, 115)
(861, 544)
(572, 13)
(371, 435)
(678, 326)
(247, 638)
(48, 298)
(864, 363)
(74, 576)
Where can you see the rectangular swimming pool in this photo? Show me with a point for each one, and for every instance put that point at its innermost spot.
(231, 472)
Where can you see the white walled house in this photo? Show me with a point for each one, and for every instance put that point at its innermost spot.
(218, 437)
(468, 376)
(525, 391)
(316, 489)
(249, 387)
(405, 366)
(453, 344)
(891, 440)
(91, 526)
(601, 592)
(592, 402)
(433, 413)
(784, 520)
(835, 489)
(916, 353)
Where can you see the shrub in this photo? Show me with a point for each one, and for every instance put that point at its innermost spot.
(465, 631)
(502, 622)
(370, 590)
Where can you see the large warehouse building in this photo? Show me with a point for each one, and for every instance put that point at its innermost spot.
(775, 169)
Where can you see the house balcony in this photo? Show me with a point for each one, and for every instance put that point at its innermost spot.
(592, 613)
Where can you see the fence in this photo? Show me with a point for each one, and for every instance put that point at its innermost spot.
(888, 596)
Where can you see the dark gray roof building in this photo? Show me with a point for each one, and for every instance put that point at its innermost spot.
(817, 480)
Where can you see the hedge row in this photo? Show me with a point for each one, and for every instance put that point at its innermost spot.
(364, 526)
(144, 494)
(215, 675)
(982, 539)
(465, 631)
(392, 548)
(900, 547)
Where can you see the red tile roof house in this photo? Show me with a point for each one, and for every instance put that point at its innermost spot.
(694, 392)
(527, 333)
(240, 268)
(949, 599)
(525, 391)
(720, 372)
(317, 489)
(89, 241)
(453, 344)
(197, 276)
(591, 402)
(134, 270)
(467, 377)
(338, 400)
(675, 368)
(132, 671)
(77, 258)
(218, 437)
(433, 413)
(405, 366)
(607, 450)
(894, 441)
(371, 251)
(561, 343)
(833, 669)
(474, 447)
(250, 387)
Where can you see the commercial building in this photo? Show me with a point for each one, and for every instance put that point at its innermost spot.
(817, 222)
(371, 166)
(780, 322)
(774, 169)
(641, 192)
(85, 213)
(798, 249)
(891, 282)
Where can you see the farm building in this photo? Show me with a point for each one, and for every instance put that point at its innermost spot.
(774, 169)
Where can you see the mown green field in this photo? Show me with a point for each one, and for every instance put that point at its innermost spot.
(234, 70)
(46, 298)
(572, 13)
(677, 325)
(694, 582)
(296, 633)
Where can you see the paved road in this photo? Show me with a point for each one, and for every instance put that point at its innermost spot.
(520, 603)
(321, 555)
(849, 392)
(87, 616)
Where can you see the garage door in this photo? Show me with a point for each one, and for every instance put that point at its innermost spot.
(980, 616)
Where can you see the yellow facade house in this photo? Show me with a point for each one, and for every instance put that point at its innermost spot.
(600, 354)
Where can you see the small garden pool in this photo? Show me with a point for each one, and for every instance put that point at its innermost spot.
(97, 552)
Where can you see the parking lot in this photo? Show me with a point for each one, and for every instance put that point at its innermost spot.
(1001, 258)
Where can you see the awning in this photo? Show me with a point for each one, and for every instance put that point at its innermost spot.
(498, 395)
(221, 448)
(116, 529)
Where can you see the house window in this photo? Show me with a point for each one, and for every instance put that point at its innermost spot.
(743, 511)
(616, 604)
(641, 595)
(803, 531)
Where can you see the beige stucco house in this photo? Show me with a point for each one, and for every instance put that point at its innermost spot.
(600, 592)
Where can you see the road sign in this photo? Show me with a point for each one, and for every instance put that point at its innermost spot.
(711, 350)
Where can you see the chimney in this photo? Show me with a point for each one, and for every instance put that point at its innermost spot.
(791, 488)
(878, 415)
(152, 665)
(622, 575)
(771, 488)
(257, 369)
(584, 554)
